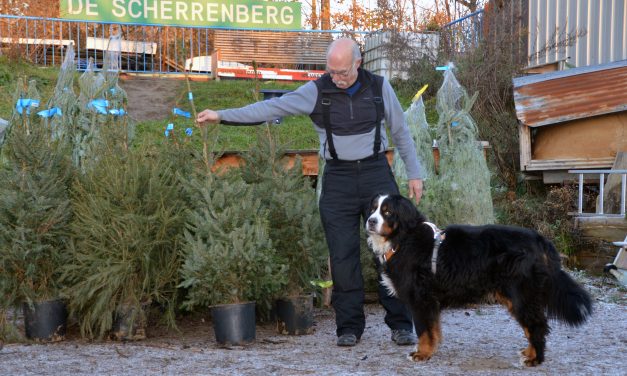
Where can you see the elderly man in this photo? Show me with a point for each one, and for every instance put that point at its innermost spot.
(347, 106)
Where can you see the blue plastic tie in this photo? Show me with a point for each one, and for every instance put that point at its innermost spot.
(25, 104)
(445, 67)
(117, 112)
(190, 96)
(169, 129)
(100, 105)
(454, 124)
(179, 112)
(188, 132)
(54, 111)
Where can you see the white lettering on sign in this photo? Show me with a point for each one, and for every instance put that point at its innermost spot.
(185, 12)
(91, 9)
(212, 12)
(242, 13)
(153, 9)
(257, 17)
(166, 10)
(134, 8)
(287, 15)
(118, 8)
(196, 12)
(271, 15)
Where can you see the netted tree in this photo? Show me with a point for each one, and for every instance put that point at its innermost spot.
(423, 139)
(461, 193)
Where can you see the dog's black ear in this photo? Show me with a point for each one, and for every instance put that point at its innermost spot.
(374, 201)
(408, 217)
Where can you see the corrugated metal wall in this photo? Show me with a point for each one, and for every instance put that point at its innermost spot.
(604, 23)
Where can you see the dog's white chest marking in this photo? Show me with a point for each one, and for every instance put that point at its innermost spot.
(388, 284)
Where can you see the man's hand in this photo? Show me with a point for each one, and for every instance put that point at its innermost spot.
(208, 115)
(415, 189)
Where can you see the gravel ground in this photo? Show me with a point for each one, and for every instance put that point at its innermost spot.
(478, 340)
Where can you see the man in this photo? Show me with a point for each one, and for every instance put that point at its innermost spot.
(347, 106)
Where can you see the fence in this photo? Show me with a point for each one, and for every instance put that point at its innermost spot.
(462, 34)
(155, 48)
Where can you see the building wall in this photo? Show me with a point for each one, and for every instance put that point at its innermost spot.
(596, 137)
(604, 21)
(390, 56)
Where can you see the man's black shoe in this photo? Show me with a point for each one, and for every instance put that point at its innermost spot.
(403, 337)
(348, 339)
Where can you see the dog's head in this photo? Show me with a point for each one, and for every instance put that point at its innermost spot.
(391, 215)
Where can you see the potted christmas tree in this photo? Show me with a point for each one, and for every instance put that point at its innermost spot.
(294, 227)
(129, 215)
(35, 174)
(229, 261)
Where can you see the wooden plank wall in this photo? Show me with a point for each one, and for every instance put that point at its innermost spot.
(273, 47)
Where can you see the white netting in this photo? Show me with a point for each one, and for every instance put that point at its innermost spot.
(420, 133)
(102, 106)
(461, 193)
(62, 107)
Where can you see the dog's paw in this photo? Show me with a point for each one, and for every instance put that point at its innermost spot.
(415, 356)
(527, 360)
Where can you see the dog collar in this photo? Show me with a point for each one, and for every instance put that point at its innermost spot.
(438, 237)
(388, 255)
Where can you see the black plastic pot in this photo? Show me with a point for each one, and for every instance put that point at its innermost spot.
(294, 315)
(129, 323)
(234, 324)
(45, 321)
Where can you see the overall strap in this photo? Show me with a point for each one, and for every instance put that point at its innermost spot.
(377, 98)
(326, 119)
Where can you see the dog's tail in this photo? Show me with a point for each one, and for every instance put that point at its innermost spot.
(568, 301)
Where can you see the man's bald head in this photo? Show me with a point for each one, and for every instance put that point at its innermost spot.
(344, 47)
(343, 59)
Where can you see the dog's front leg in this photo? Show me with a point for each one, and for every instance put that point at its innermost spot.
(426, 315)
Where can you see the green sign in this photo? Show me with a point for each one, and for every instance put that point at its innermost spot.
(255, 14)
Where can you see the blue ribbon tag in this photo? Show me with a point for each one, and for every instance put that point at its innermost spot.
(54, 111)
(446, 67)
(117, 112)
(190, 96)
(25, 104)
(169, 129)
(188, 132)
(454, 124)
(100, 105)
(179, 112)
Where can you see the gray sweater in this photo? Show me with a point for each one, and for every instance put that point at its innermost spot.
(350, 147)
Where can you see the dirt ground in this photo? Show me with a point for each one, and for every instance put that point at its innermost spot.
(478, 340)
(141, 93)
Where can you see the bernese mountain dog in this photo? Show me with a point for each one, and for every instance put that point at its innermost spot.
(429, 269)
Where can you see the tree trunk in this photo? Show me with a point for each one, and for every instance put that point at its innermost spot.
(325, 17)
(314, 14)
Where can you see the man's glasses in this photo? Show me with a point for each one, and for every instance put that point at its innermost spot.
(342, 73)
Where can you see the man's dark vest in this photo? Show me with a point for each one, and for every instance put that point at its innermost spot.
(343, 115)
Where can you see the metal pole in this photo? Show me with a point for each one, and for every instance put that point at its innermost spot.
(601, 192)
(580, 204)
(623, 190)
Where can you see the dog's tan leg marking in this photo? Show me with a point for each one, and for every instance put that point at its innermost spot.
(529, 354)
(506, 302)
(427, 343)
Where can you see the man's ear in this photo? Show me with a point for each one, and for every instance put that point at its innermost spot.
(357, 63)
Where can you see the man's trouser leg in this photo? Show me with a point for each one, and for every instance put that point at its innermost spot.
(346, 193)
(340, 213)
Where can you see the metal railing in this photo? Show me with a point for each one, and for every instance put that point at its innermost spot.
(464, 33)
(599, 208)
(144, 48)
